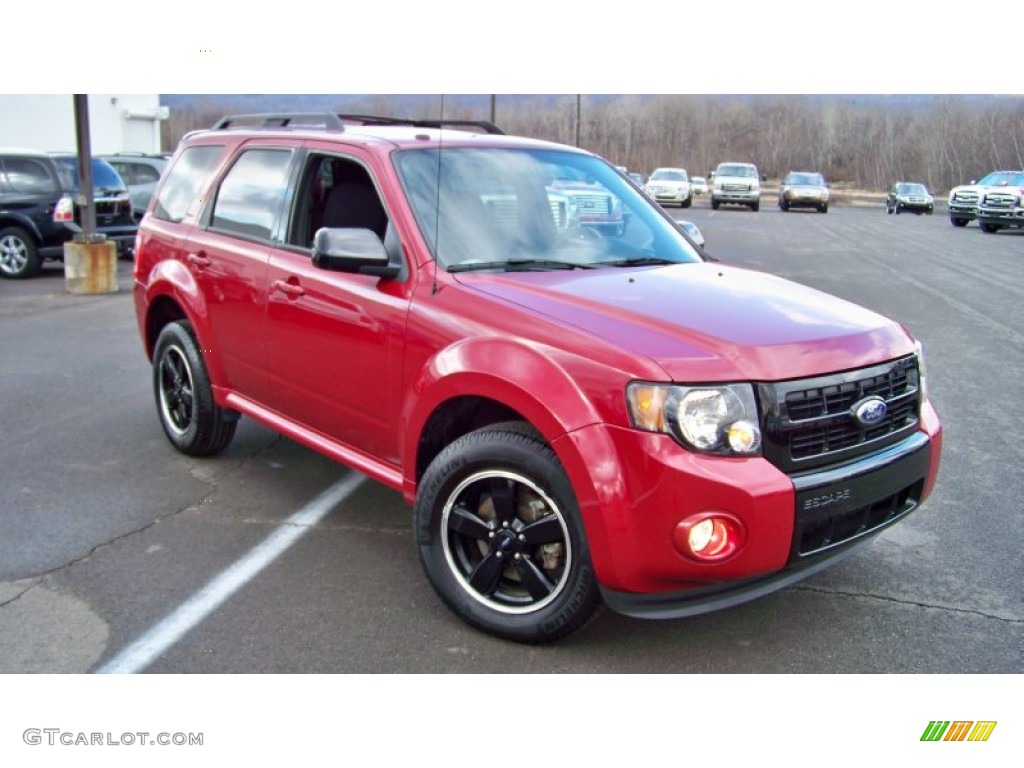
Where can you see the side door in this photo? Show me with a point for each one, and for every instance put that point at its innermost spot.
(335, 339)
(228, 257)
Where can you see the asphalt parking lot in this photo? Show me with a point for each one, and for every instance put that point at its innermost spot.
(108, 531)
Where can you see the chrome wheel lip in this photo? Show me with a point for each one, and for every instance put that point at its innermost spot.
(457, 571)
(13, 255)
(168, 379)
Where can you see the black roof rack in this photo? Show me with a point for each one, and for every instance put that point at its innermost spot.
(283, 120)
(337, 122)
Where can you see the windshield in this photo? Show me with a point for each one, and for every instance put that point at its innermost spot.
(103, 174)
(805, 179)
(533, 209)
(1002, 179)
(736, 170)
(663, 174)
(912, 189)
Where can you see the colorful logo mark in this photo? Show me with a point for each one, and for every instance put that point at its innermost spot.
(958, 730)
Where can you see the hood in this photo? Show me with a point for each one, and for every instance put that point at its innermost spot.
(707, 322)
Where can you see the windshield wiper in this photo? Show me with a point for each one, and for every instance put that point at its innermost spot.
(518, 265)
(640, 261)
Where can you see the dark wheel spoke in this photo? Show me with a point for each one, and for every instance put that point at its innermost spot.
(486, 575)
(465, 523)
(503, 495)
(534, 579)
(547, 530)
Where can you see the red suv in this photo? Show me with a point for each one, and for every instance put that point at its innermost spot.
(579, 414)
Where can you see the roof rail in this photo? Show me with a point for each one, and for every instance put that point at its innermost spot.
(486, 125)
(282, 120)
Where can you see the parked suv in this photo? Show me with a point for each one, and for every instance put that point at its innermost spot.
(738, 183)
(577, 415)
(140, 172)
(39, 210)
(963, 200)
(1002, 206)
(801, 189)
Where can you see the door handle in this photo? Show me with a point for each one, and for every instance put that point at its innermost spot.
(199, 259)
(292, 289)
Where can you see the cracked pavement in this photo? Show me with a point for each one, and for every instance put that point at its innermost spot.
(106, 529)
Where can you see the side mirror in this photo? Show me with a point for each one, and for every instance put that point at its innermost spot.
(352, 250)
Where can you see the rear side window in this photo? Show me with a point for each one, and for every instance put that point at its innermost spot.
(28, 176)
(185, 181)
(252, 192)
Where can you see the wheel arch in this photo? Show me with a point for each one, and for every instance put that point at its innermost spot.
(14, 219)
(484, 381)
(172, 295)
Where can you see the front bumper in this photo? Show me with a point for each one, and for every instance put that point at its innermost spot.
(795, 526)
(735, 197)
(1001, 217)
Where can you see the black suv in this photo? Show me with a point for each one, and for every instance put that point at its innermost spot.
(39, 210)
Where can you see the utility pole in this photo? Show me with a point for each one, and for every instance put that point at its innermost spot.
(86, 198)
(494, 107)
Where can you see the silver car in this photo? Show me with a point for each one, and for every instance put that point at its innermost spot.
(803, 189)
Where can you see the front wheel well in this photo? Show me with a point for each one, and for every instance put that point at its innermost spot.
(455, 418)
(164, 310)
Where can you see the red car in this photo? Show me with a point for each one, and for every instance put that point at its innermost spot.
(578, 414)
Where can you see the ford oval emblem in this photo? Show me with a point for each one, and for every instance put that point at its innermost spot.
(869, 411)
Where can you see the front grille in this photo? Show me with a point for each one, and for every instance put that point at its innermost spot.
(809, 423)
(999, 200)
(735, 187)
(966, 198)
(593, 203)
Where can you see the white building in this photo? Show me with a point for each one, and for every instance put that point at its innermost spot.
(117, 122)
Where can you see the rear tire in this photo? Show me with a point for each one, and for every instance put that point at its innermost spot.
(501, 538)
(18, 255)
(191, 419)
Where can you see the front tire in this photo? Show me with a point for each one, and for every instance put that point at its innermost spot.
(714, 204)
(989, 229)
(191, 419)
(958, 222)
(501, 539)
(755, 207)
(18, 255)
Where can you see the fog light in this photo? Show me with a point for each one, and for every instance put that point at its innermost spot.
(709, 536)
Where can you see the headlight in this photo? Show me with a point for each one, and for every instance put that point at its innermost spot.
(719, 419)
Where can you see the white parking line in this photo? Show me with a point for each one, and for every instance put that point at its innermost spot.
(153, 643)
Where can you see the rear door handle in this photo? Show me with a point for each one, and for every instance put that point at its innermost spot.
(199, 259)
(292, 289)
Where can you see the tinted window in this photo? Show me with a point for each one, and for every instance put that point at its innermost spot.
(28, 175)
(185, 181)
(103, 174)
(251, 194)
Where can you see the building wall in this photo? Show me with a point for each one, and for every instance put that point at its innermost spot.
(117, 122)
